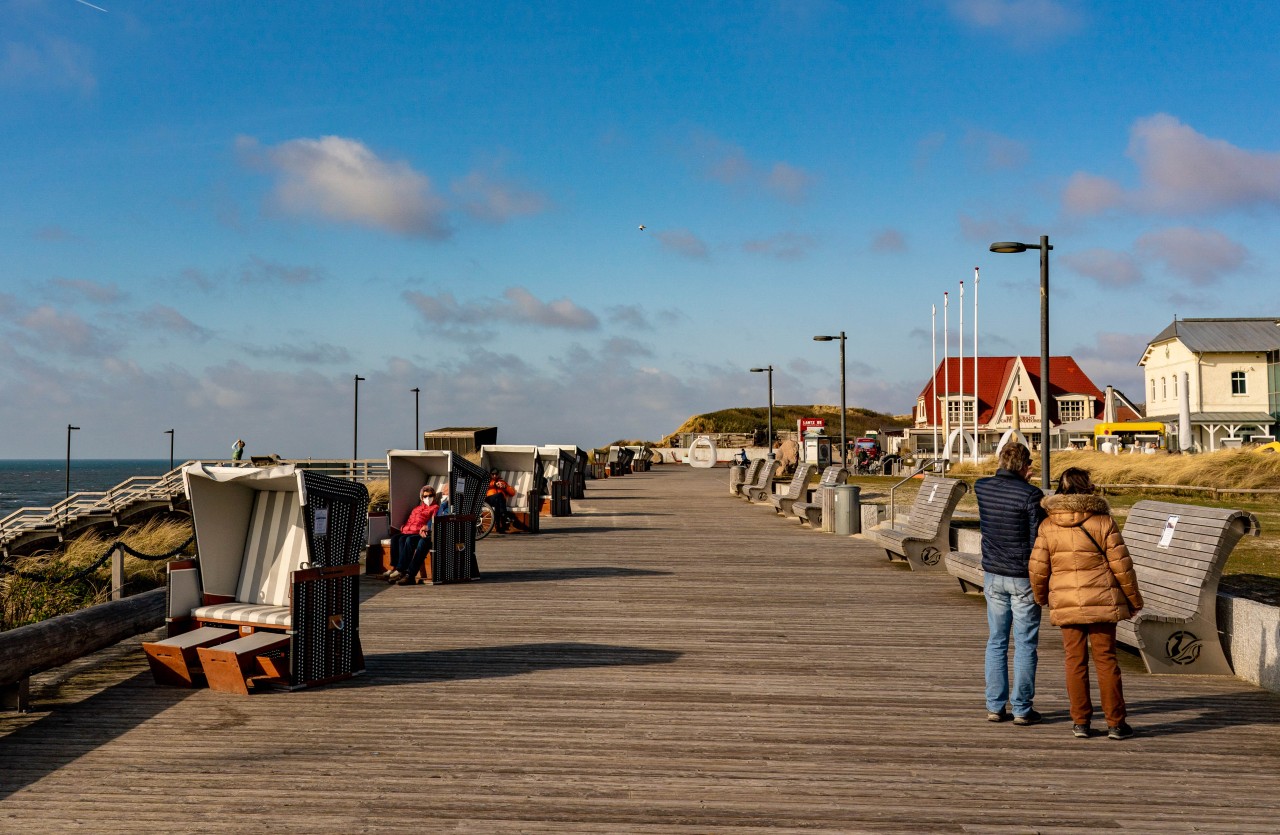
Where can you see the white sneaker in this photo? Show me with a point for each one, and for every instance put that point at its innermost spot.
(386, 575)
(393, 576)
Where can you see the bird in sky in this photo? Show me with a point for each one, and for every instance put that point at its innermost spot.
(642, 227)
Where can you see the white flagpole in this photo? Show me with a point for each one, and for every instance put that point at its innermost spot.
(961, 342)
(946, 376)
(975, 364)
(933, 380)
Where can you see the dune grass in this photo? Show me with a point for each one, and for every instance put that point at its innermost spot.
(24, 600)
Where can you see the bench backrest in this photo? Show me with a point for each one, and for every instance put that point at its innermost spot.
(800, 480)
(753, 470)
(833, 475)
(934, 505)
(275, 547)
(765, 473)
(522, 481)
(1178, 552)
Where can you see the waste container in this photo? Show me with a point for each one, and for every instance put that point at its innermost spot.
(737, 475)
(847, 507)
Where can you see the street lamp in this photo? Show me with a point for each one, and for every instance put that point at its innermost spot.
(169, 432)
(769, 369)
(844, 439)
(417, 436)
(355, 424)
(70, 429)
(1044, 247)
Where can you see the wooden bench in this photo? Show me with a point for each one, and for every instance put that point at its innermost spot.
(232, 666)
(1178, 553)
(782, 502)
(761, 487)
(175, 660)
(927, 534)
(811, 510)
(753, 469)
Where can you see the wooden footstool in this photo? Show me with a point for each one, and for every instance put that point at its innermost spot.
(175, 660)
(229, 667)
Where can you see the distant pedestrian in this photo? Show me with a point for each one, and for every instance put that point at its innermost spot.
(237, 450)
(1009, 514)
(1081, 568)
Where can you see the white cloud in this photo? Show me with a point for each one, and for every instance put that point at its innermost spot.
(260, 271)
(165, 318)
(1201, 256)
(75, 289)
(889, 240)
(47, 63)
(342, 180)
(495, 200)
(789, 182)
(996, 152)
(1180, 172)
(51, 331)
(785, 246)
(730, 165)
(517, 306)
(1022, 21)
(1107, 267)
(315, 353)
(683, 242)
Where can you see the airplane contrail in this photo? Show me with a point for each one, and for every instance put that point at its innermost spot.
(90, 5)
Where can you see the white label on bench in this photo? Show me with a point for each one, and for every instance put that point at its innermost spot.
(460, 487)
(1167, 536)
(322, 521)
(933, 493)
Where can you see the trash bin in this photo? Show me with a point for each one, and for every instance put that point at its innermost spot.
(737, 475)
(847, 504)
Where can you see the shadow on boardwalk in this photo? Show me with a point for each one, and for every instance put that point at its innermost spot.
(502, 661)
(535, 575)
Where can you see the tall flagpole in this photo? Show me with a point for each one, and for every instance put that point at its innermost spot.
(961, 342)
(946, 376)
(933, 380)
(975, 365)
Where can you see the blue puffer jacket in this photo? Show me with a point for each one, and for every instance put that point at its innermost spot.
(1010, 512)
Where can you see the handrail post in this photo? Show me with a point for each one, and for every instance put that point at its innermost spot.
(117, 573)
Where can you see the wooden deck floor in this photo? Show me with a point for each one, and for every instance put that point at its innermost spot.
(668, 660)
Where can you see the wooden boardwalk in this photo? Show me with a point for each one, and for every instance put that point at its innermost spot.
(668, 660)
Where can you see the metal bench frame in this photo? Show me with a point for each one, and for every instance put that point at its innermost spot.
(782, 502)
(811, 511)
(927, 535)
(758, 489)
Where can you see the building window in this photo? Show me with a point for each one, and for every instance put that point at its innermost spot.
(1164, 388)
(953, 411)
(1175, 387)
(1024, 407)
(1238, 383)
(1153, 389)
(1071, 409)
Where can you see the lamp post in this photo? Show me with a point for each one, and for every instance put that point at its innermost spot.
(70, 429)
(417, 435)
(1044, 247)
(844, 439)
(355, 425)
(169, 432)
(768, 369)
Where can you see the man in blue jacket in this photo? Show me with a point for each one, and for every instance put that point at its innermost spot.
(1010, 514)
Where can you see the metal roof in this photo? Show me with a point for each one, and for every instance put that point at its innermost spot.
(1214, 335)
(1220, 417)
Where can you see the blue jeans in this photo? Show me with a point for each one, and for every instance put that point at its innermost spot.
(1011, 606)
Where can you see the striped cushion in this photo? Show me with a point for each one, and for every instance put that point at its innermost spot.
(274, 548)
(245, 613)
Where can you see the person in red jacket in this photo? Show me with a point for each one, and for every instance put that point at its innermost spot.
(410, 545)
(496, 497)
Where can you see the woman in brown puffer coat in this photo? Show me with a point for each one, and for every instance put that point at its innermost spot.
(1081, 568)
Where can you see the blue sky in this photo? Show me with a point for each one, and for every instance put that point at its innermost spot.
(214, 215)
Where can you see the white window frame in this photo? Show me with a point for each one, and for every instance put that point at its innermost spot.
(1243, 378)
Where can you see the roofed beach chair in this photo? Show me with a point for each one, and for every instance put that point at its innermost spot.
(559, 466)
(273, 596)
(453, 549)
(521, 467)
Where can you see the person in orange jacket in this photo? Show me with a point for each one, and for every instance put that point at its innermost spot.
(496, 497)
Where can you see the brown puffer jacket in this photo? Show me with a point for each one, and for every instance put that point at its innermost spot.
(1079, 582)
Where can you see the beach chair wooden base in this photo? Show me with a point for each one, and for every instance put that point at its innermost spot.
(232, 666)
(175, 661)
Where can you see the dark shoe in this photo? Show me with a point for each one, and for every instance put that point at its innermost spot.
(1121, 731)
(407, 581)
(997, 715)
(1031, 717)
(1081, 731)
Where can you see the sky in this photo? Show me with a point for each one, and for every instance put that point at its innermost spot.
(587, 221)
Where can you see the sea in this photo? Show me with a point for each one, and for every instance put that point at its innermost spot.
(43, 482)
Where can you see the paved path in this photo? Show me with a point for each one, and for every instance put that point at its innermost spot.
(667, 660)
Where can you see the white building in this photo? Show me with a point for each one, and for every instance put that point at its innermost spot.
(1228, 370)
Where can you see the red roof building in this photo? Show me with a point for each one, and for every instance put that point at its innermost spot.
(1006, 385)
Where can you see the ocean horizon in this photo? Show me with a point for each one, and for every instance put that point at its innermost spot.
(42, 482)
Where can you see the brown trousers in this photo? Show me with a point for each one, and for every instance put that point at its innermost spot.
(1079, 640)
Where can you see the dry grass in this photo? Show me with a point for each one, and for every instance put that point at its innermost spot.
(1228, 468)
(379, 494)
(28, 601)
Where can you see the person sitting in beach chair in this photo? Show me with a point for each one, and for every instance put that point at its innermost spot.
(496, 497)
(411, 544)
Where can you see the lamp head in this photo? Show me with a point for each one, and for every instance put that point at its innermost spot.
(1009, 246)
(759, 369)
(825, 338)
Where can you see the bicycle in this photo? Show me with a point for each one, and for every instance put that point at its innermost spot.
(485, 522)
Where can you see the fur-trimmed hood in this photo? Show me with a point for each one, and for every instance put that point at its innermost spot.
(1071, 510)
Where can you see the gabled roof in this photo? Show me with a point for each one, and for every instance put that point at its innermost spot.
(1065, 377)
(1223, 335)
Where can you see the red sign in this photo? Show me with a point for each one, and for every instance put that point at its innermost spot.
(812, 423)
